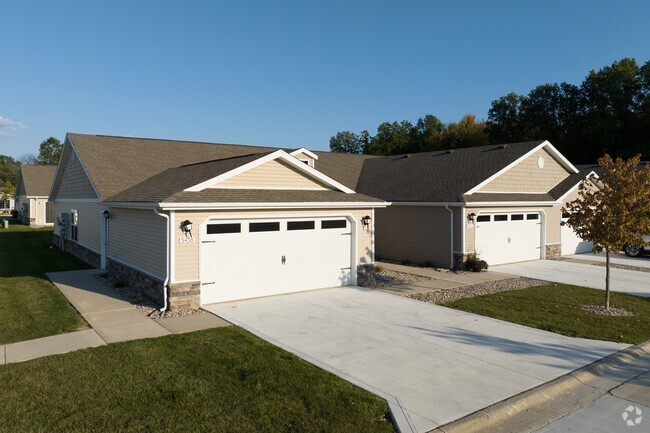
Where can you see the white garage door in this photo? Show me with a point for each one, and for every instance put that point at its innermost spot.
(571, 243)
(508, 237)
(243, 259)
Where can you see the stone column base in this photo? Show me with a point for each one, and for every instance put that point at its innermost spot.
(184, 295)
(553, 252)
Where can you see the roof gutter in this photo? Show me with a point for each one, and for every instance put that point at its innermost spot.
(168, 231)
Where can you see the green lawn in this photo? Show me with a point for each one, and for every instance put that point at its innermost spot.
(222, 379)
(30, 306)
(554, 307)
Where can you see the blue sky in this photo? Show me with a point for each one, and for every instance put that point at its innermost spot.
(288, 73)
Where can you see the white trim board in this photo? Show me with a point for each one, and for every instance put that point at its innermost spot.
(565, 162)
(306, 152)
(278, 154)
(293, 205)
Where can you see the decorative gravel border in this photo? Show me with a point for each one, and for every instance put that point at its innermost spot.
(389, 278)
(600, 309)
(442, 296)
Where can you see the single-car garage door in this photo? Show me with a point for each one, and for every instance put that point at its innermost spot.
(571, 242)
(508, 237)
(243, 259)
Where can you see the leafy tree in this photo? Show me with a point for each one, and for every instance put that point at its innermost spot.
(392, 139)
(608, 113)
(8, 170)
(348, 142)
(466, 133)
(8, 189)
(49, 151)
(428, 133)
(28, 159)
(616, 215)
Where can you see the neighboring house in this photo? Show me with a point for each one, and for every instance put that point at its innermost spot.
(32, 190)
(193, 223)
(7, 203)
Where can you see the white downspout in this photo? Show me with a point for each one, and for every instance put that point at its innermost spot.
(155, 210)
(451, 237)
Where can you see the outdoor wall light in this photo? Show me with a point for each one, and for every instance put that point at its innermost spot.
(365, 221)
(106, 214)
(471, 217)
(186, 226)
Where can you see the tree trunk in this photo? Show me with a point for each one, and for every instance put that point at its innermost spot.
(607, 280)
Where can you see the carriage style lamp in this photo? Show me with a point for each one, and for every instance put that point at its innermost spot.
(365, 221)
(186, 226)
(106, 214)
(471, 217)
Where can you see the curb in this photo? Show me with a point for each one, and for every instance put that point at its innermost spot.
(538, 406)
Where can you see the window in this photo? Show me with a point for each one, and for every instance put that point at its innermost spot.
(300, 225)
(532, 216)
(216, 229)
(264, 227)
(334, 224)
(517, 217)
(483, 218)
(74, 224)
(500, 217)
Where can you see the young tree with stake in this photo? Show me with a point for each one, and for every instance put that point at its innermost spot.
(617, 214)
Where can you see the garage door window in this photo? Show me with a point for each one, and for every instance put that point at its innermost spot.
(532, 216)
(500, 217)
(517, 217)
(264, 227)
(214, 229)
(483, 218)
(300, 225)
(334, 224)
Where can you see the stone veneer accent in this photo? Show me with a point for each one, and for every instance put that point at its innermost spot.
(365, 272)
(150, 287)
(184, 295)
(460, 260)
(78, 251)
(553, 252)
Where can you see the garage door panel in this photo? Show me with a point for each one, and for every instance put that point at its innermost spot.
(246, 265)
(511, 240)
(572, 243)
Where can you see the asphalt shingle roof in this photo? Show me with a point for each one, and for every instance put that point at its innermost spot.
(37, 179)
(140, 169)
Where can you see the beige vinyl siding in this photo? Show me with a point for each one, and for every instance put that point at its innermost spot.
(304, 157)
(89, 224)
(415, 233)
(528, 177)
(552, 217)
(37, 210)
(138, 238)
(20, 188)
(187, 254)
(72, 181)
(273, 174)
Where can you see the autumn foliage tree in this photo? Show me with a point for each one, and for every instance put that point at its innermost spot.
(617, 214)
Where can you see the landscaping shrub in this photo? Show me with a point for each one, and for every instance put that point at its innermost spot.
(378, 269)
(476, 265)
(425, 264)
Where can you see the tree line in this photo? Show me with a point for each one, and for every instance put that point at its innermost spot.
(609, 112)
(49, 153)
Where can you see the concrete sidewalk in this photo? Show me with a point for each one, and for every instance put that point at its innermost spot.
(592, 398)
(440, 279)
(112, 319)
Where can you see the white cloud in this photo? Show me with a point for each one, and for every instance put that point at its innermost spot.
(7, 125)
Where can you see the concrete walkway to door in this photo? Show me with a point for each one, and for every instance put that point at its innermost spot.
(432, 364)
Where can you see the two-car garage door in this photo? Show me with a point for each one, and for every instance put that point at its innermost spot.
(251, 258)
(507, 237)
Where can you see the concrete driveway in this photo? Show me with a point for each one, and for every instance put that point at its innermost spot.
(618, 259)
(432, 364)
(580, 274)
